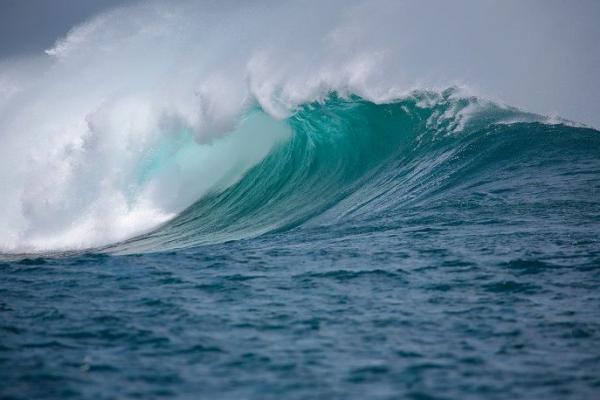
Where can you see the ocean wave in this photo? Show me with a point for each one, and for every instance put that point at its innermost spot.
(147, 112)
(349, 159)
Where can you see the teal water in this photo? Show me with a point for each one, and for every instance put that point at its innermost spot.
(436, 247)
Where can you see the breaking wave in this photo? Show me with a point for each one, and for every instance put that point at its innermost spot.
(157, 126)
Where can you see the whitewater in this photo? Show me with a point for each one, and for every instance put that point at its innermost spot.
(339, 199)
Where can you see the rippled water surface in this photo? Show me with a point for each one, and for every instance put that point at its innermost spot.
(301, 316)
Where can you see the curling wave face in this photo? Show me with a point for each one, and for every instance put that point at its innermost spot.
(348, 160)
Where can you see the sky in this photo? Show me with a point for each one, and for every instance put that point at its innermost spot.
(34, 25)
(541, 55)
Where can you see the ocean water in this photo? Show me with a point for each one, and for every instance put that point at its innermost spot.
(436, 246)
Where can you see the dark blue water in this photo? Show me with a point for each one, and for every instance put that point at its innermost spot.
(380, 253)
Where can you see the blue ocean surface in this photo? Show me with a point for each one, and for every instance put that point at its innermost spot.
(434, 247)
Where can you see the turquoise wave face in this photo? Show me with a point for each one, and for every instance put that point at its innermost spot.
(349, 160)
